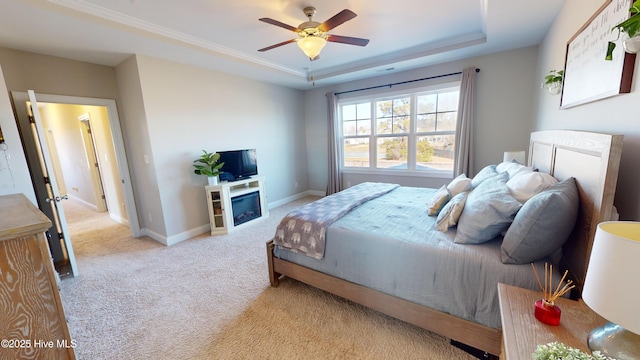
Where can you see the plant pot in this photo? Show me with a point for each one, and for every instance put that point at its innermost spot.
(213, 180)
(554, 88)
(547, 312)
(632, 45)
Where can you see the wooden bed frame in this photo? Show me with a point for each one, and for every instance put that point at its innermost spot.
(592, 158)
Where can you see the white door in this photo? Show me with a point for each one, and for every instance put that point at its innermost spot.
(53, 197)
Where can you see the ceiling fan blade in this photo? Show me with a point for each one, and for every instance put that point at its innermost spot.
(280, 24)
(277, 45)
(337, 19)
(348, 40)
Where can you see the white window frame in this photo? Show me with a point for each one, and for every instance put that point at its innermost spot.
(412, 135)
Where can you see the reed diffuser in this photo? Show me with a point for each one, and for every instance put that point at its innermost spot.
(545, 309)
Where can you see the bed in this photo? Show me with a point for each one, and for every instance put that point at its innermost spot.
(391, 272)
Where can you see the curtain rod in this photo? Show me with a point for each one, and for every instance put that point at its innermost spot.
(403, 82)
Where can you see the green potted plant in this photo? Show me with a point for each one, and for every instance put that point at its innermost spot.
(631, 26)
(208, 164)
(557, 350)
(553, 81)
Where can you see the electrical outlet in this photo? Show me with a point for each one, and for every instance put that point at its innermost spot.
(150, 218)
(296, 184)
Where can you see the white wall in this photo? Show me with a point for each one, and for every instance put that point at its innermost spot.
(67, 150)
(14, 173)
(618, 114)
(186, 110)
(505, 90)
(64, 137)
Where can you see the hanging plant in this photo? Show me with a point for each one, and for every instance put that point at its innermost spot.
(631, 27)
(553, 81)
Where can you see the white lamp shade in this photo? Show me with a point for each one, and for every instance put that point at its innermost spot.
(612, 287)
(514, 155)
(311, 45)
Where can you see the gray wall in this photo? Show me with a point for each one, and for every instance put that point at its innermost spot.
(618, 114)
(505, 90)
(47, 75)
(172, 112)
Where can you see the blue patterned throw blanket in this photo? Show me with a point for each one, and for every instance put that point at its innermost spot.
(303, 230)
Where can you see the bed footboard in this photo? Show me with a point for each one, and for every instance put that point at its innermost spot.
(464, 331)
(274, 277)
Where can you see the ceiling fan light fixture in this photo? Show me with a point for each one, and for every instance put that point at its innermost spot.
(312, 45)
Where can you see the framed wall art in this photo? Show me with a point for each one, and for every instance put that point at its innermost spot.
(588, 76)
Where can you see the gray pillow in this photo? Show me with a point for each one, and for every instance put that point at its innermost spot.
(488, 211)
(487, 172)
(543, 224)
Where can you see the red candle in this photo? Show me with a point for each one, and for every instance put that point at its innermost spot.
(547, 313)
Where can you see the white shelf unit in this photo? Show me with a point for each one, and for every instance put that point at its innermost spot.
(221, 199)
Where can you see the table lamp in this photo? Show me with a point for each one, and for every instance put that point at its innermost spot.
(514, 155)
(612, 289)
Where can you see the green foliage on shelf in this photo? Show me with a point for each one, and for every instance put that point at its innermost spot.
(208, 164)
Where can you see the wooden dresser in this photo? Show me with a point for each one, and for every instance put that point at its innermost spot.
(32, 320)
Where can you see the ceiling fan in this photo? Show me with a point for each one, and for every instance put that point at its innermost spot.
(313, 35)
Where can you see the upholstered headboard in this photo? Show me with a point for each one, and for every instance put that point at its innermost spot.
(593, 159)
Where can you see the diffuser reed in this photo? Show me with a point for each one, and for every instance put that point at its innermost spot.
(545, 310)
(549, 294)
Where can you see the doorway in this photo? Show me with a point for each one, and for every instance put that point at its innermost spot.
(83, 156)
(87, 160)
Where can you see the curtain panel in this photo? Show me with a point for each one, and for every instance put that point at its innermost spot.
(334, 182)
(463, 154)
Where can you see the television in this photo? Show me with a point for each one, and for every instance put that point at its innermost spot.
(238, 164)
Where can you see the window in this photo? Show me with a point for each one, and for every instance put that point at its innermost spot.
(401, 132)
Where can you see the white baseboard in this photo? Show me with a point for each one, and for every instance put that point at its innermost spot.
(84, 203)
(174, 239)
(295, 197)
(154, 235)
(119, 219)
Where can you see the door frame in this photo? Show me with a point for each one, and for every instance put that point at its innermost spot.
(118, 142)
(86, 131)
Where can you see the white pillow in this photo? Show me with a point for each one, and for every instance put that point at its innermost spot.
(525, 185)
(513, 168)
(459, 184)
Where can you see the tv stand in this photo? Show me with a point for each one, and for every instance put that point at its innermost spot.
(234, 203)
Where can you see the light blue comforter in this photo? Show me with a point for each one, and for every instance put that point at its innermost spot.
(406, 257)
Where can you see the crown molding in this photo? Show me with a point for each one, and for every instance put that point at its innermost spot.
(433, 48)
(162, 31)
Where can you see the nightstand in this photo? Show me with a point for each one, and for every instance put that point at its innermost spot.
(522, 332)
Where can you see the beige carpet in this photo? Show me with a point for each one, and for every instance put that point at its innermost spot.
(209, 298)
